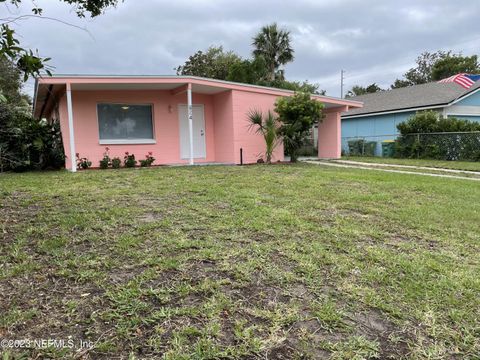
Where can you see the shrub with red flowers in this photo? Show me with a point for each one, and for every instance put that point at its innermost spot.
(129, 160)
(148, 161)
(106, 161)
(83, 163)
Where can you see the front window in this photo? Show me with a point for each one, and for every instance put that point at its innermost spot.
(125, 123)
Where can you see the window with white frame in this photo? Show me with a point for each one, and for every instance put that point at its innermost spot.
(124, 123)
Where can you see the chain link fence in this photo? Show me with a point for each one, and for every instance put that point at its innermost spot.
(368, 145)
(310, 145)
(440, 146)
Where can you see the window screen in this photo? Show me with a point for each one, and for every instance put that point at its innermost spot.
(124, 121)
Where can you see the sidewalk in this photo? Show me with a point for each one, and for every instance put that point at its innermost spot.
(379, 167)
(430, 168)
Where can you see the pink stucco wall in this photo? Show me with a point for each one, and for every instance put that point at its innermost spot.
(166, 150)
(226, 125)
(253, 144)
(330, 136)
(226, 122)
(223, 127)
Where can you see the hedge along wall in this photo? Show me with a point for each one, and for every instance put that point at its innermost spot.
(441, 146)
(429, 135)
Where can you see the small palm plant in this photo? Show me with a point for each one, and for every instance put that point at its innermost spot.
(267, 126)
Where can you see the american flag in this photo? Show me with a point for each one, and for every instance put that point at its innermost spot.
(464, 80)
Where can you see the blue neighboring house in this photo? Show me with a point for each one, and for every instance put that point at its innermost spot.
(382, 111)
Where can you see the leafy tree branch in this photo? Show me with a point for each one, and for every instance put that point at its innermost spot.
(28, 61)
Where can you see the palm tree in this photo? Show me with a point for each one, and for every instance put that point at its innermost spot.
(273, 44)
(266, 126)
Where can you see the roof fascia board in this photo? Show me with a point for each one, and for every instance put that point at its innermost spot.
(394, 111)
(464, 96)
(196, 80)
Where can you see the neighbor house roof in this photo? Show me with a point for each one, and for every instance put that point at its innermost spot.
(47, 85)
(415, 97)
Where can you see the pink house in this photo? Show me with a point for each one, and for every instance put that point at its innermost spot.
(181, 119)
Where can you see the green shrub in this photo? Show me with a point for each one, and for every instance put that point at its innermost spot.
(297, 114)
(83, 163)
(28, 144)
(116, 163)
(129, 160)
(428, 135)
(106, 161)
(432, 122)
(148, 161)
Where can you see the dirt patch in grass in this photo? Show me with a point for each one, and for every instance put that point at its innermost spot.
(200, 301)
(47, 307)
(398, 240)
(376, 326)
(150, 217)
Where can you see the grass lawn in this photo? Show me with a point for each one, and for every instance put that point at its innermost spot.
(456, 165)
(277, 262)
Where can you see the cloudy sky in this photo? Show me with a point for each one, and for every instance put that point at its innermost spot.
(373, 40)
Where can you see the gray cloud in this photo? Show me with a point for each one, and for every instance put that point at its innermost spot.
(374, 41)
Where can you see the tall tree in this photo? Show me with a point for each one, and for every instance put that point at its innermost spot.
(213, 63)
(11, 83)
(358, 90)
(455, 64)
(436, 66)
(297, 86)
(216, 63)
(248, 71)
(273, 44)
(28, 61)
(422, 73)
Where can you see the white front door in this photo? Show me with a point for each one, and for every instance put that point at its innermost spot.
(199, 148)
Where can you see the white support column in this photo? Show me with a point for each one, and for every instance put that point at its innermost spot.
(190, 120)
(73, 157)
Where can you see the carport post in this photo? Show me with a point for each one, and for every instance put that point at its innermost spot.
(73, 156)
(330, 134)
(190, 120)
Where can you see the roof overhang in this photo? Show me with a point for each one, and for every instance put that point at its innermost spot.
(48, 86)
(437, 105)
(377, 113)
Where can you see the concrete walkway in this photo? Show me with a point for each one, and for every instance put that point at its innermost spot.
(430, 168)
(357, 165)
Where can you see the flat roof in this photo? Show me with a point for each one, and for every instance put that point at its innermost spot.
(45, 84)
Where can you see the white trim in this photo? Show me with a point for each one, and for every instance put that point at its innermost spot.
(346, 116)
(73, 155)
(190, 122)
(460, 114)
(464, 96)
(188, 77)
(126, 141)
(459, 109)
